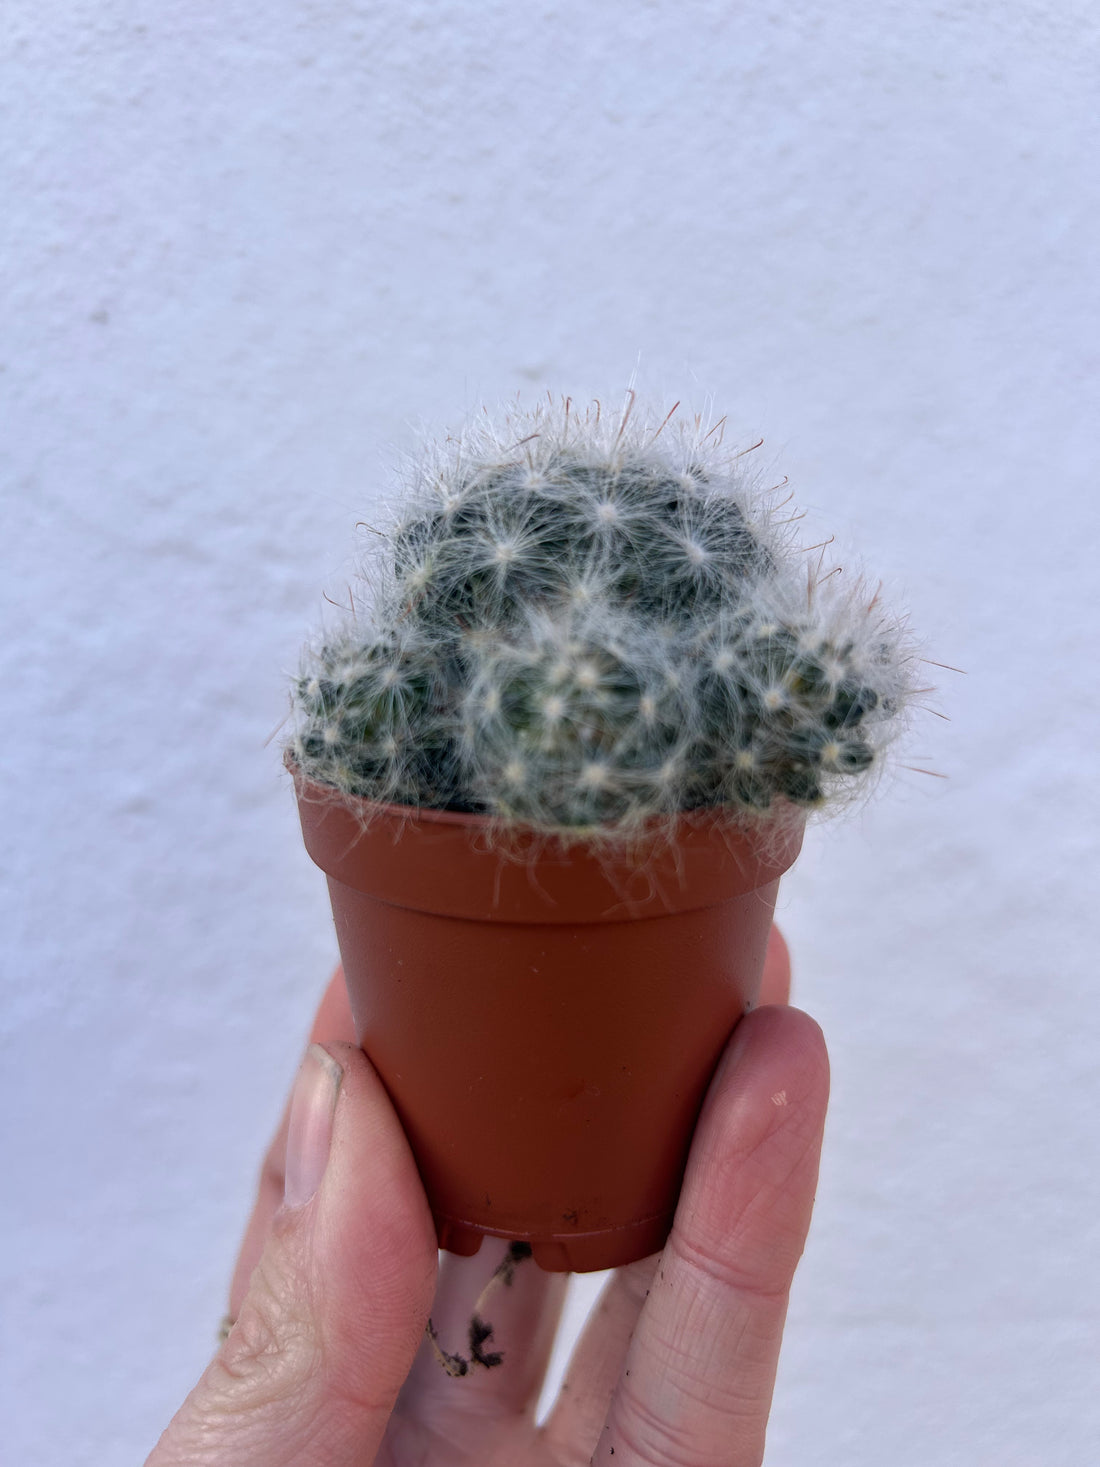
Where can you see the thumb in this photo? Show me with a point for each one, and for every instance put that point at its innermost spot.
(336, 1306)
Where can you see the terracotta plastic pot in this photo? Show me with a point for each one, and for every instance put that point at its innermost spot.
(545, 1028)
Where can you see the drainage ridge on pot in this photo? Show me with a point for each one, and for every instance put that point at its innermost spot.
(553, 775)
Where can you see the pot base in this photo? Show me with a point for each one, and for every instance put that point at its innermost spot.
(566, 1252)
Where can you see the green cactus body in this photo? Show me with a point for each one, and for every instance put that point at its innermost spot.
(575, 722)
(588, 626)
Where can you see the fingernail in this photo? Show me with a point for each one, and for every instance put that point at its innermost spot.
(309, 1135)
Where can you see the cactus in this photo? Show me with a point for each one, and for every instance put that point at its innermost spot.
(588, 626)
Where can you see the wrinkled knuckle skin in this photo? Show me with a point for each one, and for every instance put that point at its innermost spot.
(651, 1441)
(272, 1352)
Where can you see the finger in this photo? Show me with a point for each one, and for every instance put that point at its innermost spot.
(597, 1363)
(337, 1305)
(331, 1023)
(776, 985)
(524, 1318)
(598, 1359)
(699, 1374)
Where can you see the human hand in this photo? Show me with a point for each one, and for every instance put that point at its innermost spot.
(327, 1364)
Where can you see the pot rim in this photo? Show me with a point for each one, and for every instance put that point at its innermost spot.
(445, 862)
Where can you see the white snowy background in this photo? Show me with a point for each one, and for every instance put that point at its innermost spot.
(245, 250)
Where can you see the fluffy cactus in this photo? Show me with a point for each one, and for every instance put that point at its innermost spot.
(579, 720)
(586, 625)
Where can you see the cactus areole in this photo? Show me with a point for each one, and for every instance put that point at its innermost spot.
(554, 769)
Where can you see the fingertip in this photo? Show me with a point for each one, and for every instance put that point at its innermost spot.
(772, 1040)
(333, 1021)
(758, 1145)
(775, 987)
(371, 1146)
(376, 1236)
